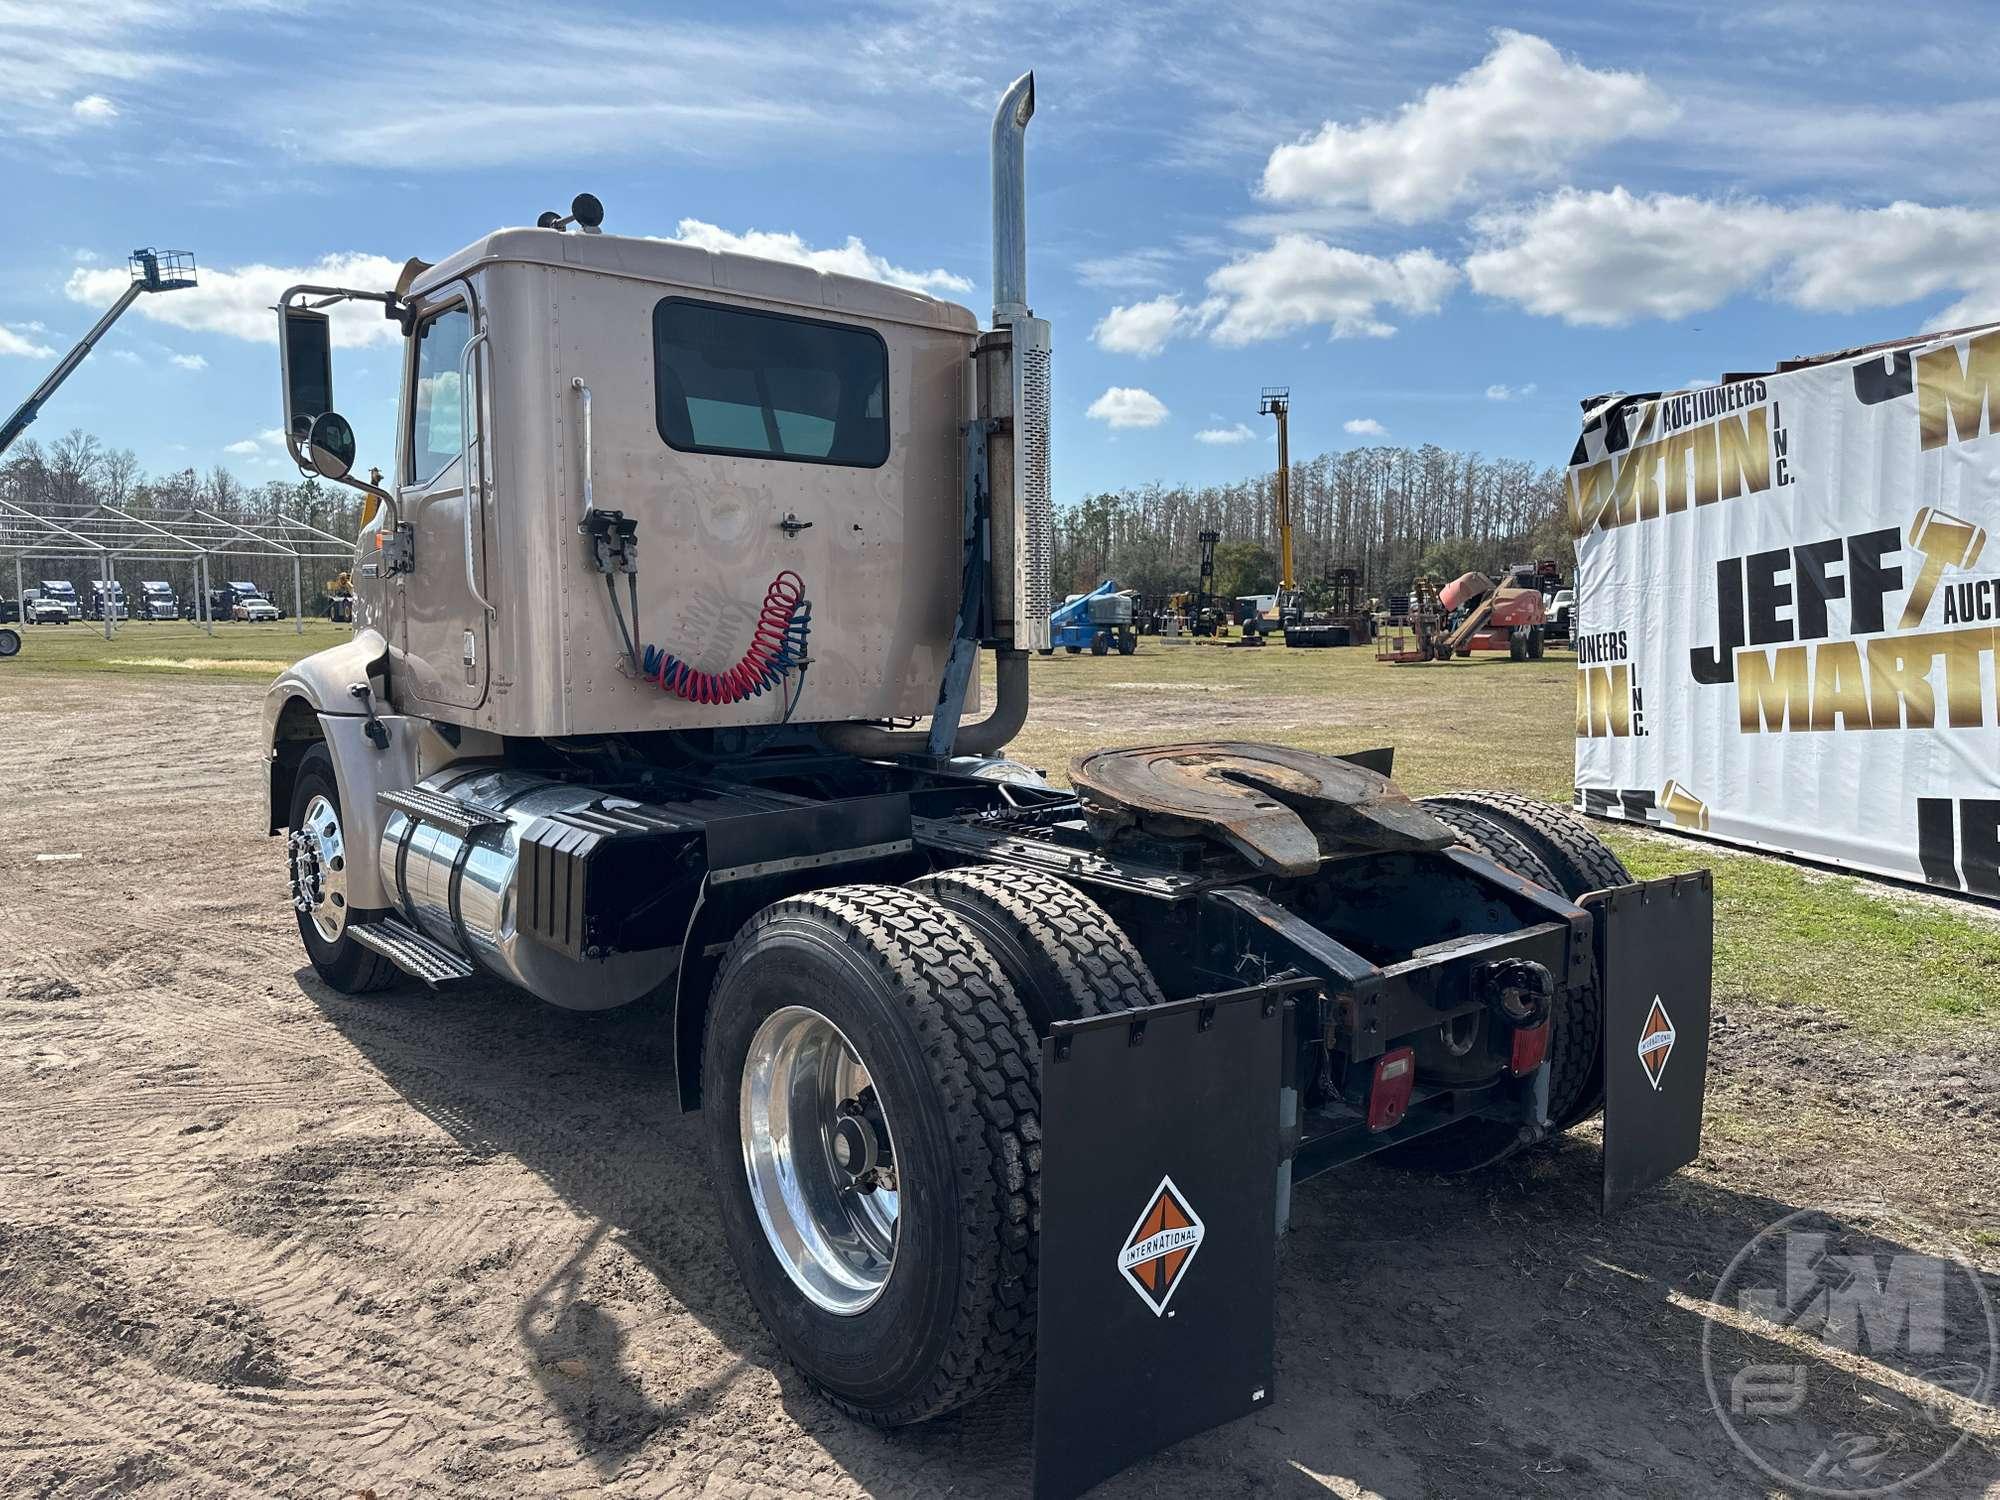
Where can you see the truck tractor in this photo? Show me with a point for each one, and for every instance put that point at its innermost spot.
(156, 601)
(107, 600)
(666, 686)
(61, 594)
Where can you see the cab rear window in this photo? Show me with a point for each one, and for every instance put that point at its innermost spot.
(768, 385)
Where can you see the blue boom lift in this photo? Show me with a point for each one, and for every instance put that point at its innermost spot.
(1098, 622)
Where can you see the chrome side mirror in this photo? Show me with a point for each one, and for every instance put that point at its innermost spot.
(330, 445)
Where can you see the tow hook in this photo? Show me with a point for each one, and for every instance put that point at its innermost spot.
(1520, 989)
(375, 729)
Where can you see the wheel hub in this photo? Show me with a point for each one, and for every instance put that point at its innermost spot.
(318, 869)
(820, 1160)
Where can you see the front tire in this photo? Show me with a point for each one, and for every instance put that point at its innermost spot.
(318, 856)
(936, 1037)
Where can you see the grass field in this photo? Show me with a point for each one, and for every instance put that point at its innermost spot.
(1785, 933)
(237, 651)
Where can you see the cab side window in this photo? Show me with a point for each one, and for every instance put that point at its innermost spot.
(734, 380)
(436, 398)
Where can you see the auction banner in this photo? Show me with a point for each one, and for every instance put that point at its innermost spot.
(1786, 610)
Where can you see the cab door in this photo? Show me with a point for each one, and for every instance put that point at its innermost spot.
(445, 602)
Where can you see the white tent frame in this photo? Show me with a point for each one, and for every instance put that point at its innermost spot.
(107, 534)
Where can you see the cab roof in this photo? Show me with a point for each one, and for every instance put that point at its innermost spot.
(671, 264)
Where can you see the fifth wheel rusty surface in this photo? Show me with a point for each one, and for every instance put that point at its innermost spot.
(1283, 809)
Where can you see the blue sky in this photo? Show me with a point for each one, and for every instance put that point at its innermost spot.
(1441, 223)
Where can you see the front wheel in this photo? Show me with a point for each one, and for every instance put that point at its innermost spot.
(10, 643)
(317, 853)
(874, 1131)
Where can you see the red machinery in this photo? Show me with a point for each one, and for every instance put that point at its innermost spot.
(1508, 617)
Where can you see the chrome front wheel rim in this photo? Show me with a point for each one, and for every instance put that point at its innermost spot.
(319, 869)
(820, 1160)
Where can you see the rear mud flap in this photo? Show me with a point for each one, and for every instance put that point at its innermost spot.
(1656, 956)
(1159, 1239)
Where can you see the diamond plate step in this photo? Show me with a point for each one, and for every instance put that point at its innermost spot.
(410, 951)
(447, 813)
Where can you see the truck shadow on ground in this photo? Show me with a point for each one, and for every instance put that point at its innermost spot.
(1488, 1335)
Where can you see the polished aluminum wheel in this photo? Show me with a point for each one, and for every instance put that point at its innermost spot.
(821, 1160)
(319, 869)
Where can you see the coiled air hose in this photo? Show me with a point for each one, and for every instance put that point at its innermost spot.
(777, 649)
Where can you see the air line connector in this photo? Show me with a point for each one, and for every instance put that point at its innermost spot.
(614, 549)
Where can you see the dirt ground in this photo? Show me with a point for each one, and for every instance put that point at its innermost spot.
(259, 1238)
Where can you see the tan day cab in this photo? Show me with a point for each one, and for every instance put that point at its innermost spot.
(664, 689)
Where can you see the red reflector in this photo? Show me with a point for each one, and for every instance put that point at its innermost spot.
(1531, 1045)
(1389, 1095)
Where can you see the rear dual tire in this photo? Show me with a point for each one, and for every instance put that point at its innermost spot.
(940, 993)
(1551, 847)
(952, 1063)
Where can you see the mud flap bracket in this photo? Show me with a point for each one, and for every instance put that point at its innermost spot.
(1656, 957)
(1159, 1239)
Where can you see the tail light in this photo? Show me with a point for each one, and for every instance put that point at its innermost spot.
(1531, 1045)
(1389, 1094)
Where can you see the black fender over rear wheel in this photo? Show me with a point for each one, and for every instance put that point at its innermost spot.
(336, 957)
(866, 1025)
(1060, 950)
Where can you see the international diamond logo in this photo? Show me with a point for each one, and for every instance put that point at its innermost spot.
(1656, 1041)
(1161, 1246)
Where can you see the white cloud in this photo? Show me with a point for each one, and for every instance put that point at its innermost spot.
(128, 356)
(851, 259)
(1141, 328)
(13, 341)
(1134, 268)
(1300, 282)
(93, 109)
(261, 446)
(85, 257)
(187, 361)
(1521, 115)
(1225, 436)
(1127, 406)
(1365, 427)
(238, 301)
(1510, 392)
(1605, 259)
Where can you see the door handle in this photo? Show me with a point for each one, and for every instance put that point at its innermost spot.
(472, 477)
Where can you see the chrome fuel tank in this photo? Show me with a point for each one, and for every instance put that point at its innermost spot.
(460, 890)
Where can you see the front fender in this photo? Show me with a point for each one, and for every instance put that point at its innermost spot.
(320, 684)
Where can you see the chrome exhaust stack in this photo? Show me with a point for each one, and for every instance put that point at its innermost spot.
(1011, 375)
(1013, 365)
